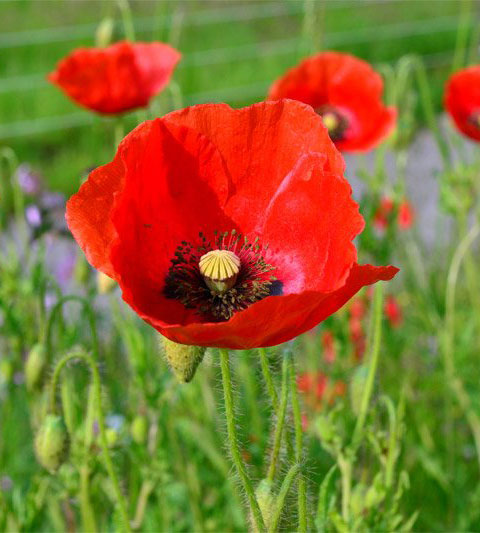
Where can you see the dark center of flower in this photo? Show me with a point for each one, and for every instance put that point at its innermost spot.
(334, 121)
(221, 278)
(474, 119)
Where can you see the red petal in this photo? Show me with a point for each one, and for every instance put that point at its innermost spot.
(345, 82)
(118, 78)
(310, 224)
(275, 319)
(260, 146)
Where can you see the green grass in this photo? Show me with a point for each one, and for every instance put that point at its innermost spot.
(62, 155)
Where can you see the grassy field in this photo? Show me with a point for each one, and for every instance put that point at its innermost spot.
(412, 463)
(236, 66)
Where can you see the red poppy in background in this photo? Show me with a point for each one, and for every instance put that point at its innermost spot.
(118, 78)
(226, 228)
(328, 346)
(384, 214)
(393, 311)
(462, 101)
(346, 92)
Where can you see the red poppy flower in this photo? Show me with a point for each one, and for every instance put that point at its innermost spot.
(328, 345)
(405, 215)
(462, 101)
(226, 228)
(121, 77)
(384, 213)
(346, 92)
(393, 311)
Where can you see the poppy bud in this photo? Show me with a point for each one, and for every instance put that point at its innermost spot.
(105, 284)
(266, 501)
(112, 437)
(183, 359)
(52, 443)
(35, 366)
(103, 33)
(139, 429)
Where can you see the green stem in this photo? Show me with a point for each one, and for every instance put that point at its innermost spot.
(374, 353)
(53, 314)
(297, 418)
(272, 392)
(345, 466)
(281, 413)
(127, 19)
(96, 384)
(86, 510)
(462, 35)
(428, 109)
(280, 501)
(452, 379)
(267, 376)
(233, 441)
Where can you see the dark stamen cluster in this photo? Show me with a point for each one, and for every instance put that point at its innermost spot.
(185, 283)
(338, 132)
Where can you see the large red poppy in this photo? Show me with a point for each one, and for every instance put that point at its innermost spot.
(346, 92)
(462, 101)
(268, 172)
(118, 78)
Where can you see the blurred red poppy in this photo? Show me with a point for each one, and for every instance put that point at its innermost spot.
(393, 311)
(200, 207)
(118, 78)
(383, 215)
(346, 92)
(405, 215)
(328, 345)
(462, 101)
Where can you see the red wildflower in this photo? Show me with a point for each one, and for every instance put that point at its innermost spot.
(462, 101)
(121, 77)
(268, 178)
(313, 384)
(383, 215)
(346, 92)
(405, 215)
(393, 311)
(328, 345)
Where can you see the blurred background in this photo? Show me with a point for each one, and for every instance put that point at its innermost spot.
(232, 51)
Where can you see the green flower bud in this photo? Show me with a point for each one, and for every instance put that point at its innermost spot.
(139, 429)
(52, 443)
(266, 501)
(35, 366)
(6, 371)
(182, 359)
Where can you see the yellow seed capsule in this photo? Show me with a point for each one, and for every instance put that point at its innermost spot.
(220, 269)
(182, 358)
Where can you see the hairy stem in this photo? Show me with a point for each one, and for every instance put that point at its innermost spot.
(233, 441)
(96, 384)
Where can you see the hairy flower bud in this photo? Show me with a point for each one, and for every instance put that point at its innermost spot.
(266, 501)
(52, 443)
(35, 366)
(183, 359)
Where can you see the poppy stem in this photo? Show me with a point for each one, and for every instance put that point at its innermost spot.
(233, 441)
(374, 353)
(282, 410)
(297, 418)
(96, 385)
(127, 19)
(428, 109)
